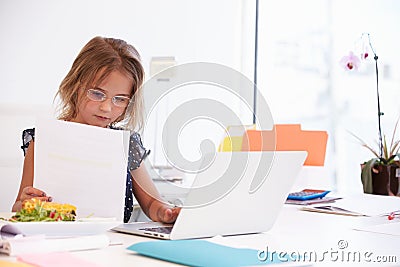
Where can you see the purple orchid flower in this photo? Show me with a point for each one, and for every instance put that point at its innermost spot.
(350, 61)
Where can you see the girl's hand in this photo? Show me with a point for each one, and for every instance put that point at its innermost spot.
(167, 214)
(31, 192)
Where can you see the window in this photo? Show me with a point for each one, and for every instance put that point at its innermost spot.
(300, 46)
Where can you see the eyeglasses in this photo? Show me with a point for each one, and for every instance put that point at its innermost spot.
(99, 96)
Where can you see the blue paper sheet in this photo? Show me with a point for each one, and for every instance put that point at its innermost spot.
(197, 252)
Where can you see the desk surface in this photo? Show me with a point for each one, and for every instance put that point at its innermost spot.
(330, 239)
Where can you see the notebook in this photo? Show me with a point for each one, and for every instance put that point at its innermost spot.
(240, 193)
(82, 165)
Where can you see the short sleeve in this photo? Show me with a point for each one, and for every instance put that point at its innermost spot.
(137, 153)
(27, 136)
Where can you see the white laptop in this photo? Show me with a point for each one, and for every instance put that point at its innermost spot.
(240, 193)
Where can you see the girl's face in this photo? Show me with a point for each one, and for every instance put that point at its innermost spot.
(103, 113)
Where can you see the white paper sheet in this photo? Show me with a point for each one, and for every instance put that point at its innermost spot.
(75, 228)
(370, 205)
(42, 244)
(82, 165)
(390, 228)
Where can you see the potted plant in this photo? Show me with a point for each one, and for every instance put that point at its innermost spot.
(378, 175)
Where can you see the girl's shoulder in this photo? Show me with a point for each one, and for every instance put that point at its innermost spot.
(29, 132)
(137, 152)
(135, 136)
(27, 136)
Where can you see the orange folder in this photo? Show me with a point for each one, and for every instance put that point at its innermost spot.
(288, 137)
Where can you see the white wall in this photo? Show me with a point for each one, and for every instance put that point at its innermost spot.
(41, 38)
(14, 119)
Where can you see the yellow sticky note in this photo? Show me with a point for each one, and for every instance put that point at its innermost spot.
(13, 264)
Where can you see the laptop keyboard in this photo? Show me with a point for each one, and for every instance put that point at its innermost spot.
(161, 229)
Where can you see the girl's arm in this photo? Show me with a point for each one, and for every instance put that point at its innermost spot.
(149, 198)
(26, 191)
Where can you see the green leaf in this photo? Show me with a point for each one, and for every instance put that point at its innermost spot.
(395, 148)
(364, 144)
(394, 134)
(366, 175)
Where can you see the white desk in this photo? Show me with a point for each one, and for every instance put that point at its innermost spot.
(294, 232)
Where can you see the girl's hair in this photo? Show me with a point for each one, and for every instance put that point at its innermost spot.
(97, 59)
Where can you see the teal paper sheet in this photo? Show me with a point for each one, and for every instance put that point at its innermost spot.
(196, 252)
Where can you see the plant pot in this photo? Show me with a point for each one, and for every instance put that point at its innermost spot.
(383, 180)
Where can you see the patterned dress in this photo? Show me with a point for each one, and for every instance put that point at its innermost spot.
(137, 153)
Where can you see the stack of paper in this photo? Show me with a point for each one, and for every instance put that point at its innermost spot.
(41, 237)
(312, 201)
(41, 244)
(332, 210)
(75, 228)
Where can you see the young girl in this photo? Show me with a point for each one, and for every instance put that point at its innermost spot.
(105, 77)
